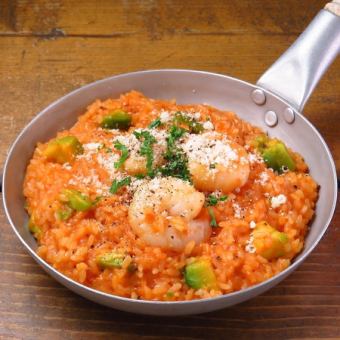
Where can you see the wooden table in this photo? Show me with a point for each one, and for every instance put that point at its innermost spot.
(48, 48)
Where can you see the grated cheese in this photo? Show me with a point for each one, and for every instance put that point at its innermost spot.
(107, 162)
(206, 149)
(67, 166)
(134, 145)
(237, 210)
(254, 158)
(263, 178)
(165, 116)
(278, 200)
(89, 150)
(252, 224)
(250, 248)
(91, 180)
(208, 125)
(92, 146)
(135, 184)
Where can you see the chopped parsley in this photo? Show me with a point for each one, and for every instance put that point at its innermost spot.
(125, 154)
(210, 202)
(213, 222)
(213, 200)
(139, 176)
(177, 161)
(156, 123)
(176, 166)
(193, 125)
(175, 133)
(146, 149)
(116, 185)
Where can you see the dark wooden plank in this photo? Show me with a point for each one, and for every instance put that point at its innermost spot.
(156, 18)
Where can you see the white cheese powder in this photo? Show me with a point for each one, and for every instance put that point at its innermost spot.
(263, 178)
(67, 166)
(89, 150)
(91, 180)
(92, 146)
(252, 224)
(237, 210)
(208, 125)
(254, 158)
(206, 149)
(197, 115)
(278, 200)
(250, 248)
(107, 161)
(165, 116)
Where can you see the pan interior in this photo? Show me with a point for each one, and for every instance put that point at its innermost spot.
(186, 87)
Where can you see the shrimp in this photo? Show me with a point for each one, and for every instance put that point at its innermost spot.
(216, 163)
(166, 212)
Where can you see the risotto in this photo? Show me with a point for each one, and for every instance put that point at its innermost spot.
(152, 200)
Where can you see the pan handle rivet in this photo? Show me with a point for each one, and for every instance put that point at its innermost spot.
(289, 115)
(258, 97)
(270, 118)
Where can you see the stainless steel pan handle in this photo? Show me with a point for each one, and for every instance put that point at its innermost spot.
(295, 74)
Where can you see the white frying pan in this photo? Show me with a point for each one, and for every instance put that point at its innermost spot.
(273, 104)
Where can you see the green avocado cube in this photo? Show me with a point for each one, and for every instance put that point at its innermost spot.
(200, 274)
(76, 200)
(260, 142)
(110, 260)
(277, 157)
(117, 119)
(33, 228)
(63, 150)
(269, 242)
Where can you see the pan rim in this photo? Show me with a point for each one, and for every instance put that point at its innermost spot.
(131, 301)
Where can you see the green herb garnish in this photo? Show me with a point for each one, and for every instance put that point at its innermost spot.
(177, 161)
(210, 202)
(193, 125)
(213, 222)
(175, 133)
(125, 154)
(116, 185)
(156, 123)
(213, 200)
(139, 176)
(176, 166)
(146, 149)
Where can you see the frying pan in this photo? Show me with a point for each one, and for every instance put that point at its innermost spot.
(274, 104)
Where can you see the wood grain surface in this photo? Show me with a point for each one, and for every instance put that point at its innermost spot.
(48, 48)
